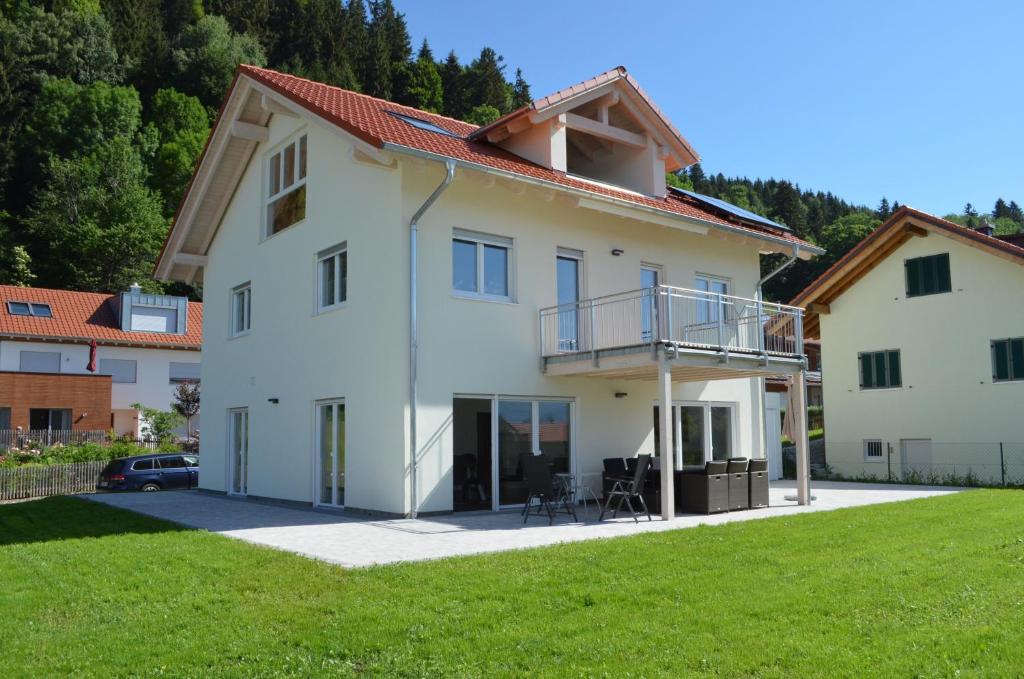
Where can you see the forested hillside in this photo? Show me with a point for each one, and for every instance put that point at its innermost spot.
(821, 218)
(105, 106)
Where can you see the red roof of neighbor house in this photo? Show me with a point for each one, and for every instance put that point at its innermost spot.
(372, 120)
(86, 316)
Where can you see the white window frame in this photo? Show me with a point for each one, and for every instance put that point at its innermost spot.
(873, 458)
(481, 240)
(338, 402)
(243, 490)
(241, 292)
(706, 406)
(709, 303)
(300, 180)
(332, 253)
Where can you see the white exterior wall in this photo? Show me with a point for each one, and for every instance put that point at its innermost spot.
(152, 385)
(361, 353)
(948, 394)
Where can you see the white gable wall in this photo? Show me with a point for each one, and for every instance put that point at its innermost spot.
(948, 394)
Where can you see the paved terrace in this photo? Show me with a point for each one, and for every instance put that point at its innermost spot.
(355, 542)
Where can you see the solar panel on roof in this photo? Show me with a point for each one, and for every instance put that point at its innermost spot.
(730, 208)
(421, 124)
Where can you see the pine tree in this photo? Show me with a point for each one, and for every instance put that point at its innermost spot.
(697, 178)
(970, 211)
(378, 72)
(1000, 209)
(520, 91)
(453, 87)
(355, 39)
(486, 81)
(424, 91)
(883, 210)
(1015, 213)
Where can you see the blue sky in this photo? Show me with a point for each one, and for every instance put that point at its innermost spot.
(922, 102)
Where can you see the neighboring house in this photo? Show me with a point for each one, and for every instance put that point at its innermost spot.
(923, 336)
(145, 346)
(380, 280)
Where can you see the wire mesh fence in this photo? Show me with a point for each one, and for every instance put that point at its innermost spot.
(923, 461)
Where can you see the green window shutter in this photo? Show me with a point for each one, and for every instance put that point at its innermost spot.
(880, 377)
(942, 273)
(1017, 359)
(928, 285)
(1001, 360)
(895, 378)
(913, 267)
(866, 374)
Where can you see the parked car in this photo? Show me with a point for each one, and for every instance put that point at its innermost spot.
(161, 471)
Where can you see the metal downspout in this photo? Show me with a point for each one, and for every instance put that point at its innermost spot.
(764, 389)
(413, 335)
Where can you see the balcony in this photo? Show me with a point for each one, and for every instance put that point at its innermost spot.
(707, 335)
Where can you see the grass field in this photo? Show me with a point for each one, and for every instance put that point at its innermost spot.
(925, 588)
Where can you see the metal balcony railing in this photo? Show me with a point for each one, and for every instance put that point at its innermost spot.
(678, 316)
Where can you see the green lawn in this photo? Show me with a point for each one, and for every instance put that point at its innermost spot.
(925, 588)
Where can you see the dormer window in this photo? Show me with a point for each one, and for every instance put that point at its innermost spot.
(37, 309)
(286, 186)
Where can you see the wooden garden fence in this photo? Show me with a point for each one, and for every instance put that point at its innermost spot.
(17, 483)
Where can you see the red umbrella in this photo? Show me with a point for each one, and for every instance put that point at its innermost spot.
(91, 367)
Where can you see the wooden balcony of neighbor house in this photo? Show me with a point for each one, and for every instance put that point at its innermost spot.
(706, 336)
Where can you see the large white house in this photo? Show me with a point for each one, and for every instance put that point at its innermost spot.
(922, 334)
(400, 306)
(51, 377)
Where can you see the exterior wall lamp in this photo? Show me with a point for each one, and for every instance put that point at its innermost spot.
(617, 251)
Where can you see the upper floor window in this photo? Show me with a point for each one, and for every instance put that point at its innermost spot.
(1008, 359)
(241, 309)
(121, 370)
(39, 362)
(714, 307)
(178, 372)
(880, 369)
(332, 277)
(928, 275)
(29, 309)
(481, 265)
(286, 186)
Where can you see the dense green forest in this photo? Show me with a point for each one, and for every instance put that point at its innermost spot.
(105, 106)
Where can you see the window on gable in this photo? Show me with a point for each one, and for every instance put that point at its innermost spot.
(880, 369)
(38, 309)
(332, 277)
(928, 275)
(286, 186)
(1008, 359)
(481, 265)
(241, 309)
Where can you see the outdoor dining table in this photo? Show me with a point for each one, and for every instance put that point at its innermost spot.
(576, 488)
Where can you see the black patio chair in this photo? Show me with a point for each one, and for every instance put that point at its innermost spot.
(541, 486)
(627, 490)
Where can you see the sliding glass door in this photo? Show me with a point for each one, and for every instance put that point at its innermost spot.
(330, 446)
(529, 427)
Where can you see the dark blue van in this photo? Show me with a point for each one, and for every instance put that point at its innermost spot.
(160, 471)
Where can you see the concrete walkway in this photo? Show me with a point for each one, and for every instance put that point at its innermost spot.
(354, 542)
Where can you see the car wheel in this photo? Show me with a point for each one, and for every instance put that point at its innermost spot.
(150, 487)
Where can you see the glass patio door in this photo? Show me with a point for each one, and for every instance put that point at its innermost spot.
(650, 278)
(238, 444)
(702, 432)
(529, 427)
(330, 446)
(568, 274)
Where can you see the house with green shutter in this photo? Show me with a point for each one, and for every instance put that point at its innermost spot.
(922, 335)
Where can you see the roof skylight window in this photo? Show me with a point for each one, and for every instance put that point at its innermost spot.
(421, 124)
(30, 309)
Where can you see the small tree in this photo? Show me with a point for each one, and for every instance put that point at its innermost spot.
(186, 402)
(158, 424)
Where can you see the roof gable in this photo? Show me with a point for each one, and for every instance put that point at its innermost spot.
(380, 131)
(904, 224)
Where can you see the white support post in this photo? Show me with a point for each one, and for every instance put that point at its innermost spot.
(667, 451)
(803, 448)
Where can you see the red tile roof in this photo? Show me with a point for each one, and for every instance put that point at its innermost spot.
(371, 120)
(86, 316)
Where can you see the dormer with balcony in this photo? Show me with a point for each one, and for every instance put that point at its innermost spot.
(605, 130)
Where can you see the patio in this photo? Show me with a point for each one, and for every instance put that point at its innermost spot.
(358, 542)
